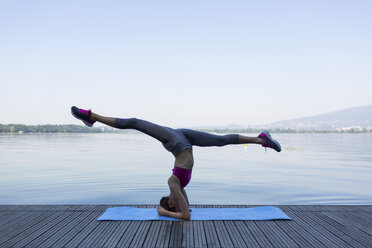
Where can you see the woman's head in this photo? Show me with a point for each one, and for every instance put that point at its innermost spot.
(168, 203)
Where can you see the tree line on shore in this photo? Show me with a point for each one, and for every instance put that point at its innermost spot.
(20, 128)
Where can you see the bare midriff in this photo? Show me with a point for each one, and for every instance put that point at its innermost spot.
(185, 159)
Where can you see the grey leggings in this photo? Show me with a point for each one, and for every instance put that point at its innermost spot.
(176, 140)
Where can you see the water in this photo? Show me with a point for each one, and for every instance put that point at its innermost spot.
(133, 169)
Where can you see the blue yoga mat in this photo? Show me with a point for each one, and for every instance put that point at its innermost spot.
(257, 213)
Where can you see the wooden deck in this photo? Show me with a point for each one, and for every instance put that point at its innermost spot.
(75, 226)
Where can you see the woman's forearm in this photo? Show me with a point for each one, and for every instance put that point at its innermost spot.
(178, 215)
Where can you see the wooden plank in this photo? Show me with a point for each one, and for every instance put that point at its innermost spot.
(12, 224)
(351, 208)
(65, 230)
(211, 234)
(278, 234)
(176, 234)
(298, 208)
(223, 234)
(246, 235)
(337, 234)
(35, 207)
(141, 234)
(24, 231)
(324, 232)
(347, 220)
(117, 234)
(99, 233)
(20, 207)
(301, 236)
(338, 208)
(367, 216)
(153, 234)
(187, 234)
(22, 225)
(105, 235)
(164, 234)
(44, 230)
(284, 208)
(54, 207)
(290, 208)
(78, 232)
(75, 225)
(235, 236)
(6, 213)
(347, 232)
(84, 233)
(200, 240)
(129, 234)
(358, 218)
(306, 208)
(12, 217)
(72, 207)
(40, 228)
(258, 234)
(317, 208)
(82, 207)
(313, 230)
(4, 207)
(367, 208)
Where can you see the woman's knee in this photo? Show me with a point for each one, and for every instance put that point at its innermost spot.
(132, 122)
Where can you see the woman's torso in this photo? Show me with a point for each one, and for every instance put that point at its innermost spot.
(185, 159)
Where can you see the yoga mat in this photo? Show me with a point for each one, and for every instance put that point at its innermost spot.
(257, 213)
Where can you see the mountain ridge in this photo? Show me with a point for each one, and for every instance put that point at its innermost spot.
(345, 119)
(357, 118)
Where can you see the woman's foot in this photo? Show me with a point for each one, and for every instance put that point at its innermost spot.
(83, 115)
(269, 142)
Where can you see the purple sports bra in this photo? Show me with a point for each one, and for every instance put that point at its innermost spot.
(183, 175)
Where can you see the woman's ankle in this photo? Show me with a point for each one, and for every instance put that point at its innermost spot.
(93, 117)
(250, 140)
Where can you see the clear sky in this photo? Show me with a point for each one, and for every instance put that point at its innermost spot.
(183, 63)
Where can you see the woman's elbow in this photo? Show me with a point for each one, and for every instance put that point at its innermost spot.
(186, 216)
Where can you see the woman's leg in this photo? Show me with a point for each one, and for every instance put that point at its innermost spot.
(206, 139)
(249, 140)
(172, 140)
(163, 134)
(110, 121)
(199, 138)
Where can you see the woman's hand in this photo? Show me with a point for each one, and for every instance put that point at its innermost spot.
(162, 211)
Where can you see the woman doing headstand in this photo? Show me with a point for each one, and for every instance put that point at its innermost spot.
(179, 142)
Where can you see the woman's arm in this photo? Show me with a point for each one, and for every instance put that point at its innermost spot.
(185, 195)
(178, 215)
(175, 190)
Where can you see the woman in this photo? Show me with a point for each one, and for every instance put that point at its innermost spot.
(179, 142)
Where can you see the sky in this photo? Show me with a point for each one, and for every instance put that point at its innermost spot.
(183, 63)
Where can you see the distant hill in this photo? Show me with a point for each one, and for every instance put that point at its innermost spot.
(357, 118)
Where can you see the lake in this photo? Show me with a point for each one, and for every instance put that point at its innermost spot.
(132, 168)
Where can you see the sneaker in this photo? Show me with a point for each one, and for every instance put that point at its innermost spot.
(269, 142)
(83, 115)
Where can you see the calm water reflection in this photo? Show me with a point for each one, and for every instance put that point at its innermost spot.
(134, 168)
